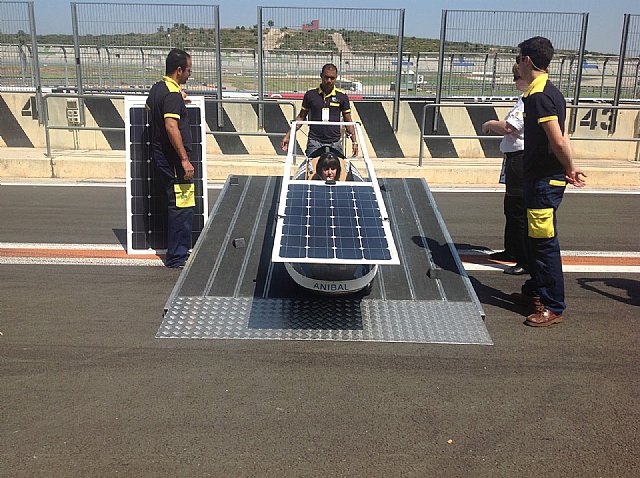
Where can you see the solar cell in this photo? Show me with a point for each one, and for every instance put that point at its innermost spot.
(340, 223)
(146, 198)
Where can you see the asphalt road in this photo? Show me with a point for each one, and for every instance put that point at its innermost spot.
(88, 391)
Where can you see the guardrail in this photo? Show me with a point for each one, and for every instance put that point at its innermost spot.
(82, 127)
(609, 112)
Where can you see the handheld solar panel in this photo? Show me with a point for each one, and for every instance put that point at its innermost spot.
(146, 197)
(341, 223)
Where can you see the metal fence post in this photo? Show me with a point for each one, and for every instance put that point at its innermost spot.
(76, 49)
(443, 31)
(35, 61)
(260, 72)
(218, 66)
(396, 97)
(618, 90)
(576, 94)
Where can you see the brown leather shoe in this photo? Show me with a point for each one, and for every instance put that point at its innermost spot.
(543, 319)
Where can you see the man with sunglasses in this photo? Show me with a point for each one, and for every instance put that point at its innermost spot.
(548, 167)
(512, 146)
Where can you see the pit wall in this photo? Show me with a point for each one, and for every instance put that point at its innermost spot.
(19, 127)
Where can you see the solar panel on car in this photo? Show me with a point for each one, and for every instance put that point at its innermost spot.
(146, 197)
(339, 223)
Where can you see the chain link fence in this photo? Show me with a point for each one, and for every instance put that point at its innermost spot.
(18, 55)
(362, 43)
(478, 49)
(124, 46)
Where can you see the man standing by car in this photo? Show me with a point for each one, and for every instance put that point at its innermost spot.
(325, 103)
(512, 146)
(170, 148)
(548, 166)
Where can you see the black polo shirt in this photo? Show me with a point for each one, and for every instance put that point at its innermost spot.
(542, 102)
(165, 101)
(313, 103)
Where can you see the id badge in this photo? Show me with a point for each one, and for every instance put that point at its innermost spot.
(185, 195)
(325, 114)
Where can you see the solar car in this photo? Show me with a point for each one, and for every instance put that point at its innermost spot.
(332, 235)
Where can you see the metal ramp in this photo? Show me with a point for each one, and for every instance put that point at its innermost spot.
(231, 289)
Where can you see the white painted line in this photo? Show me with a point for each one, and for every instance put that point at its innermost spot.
(486, 252)
(119, 247)
(92, 184)
(61, 247)
(66, 184)
(567, 268)
(569, 190)
(63, 261)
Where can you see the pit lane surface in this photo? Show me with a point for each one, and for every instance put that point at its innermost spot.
(87, 390)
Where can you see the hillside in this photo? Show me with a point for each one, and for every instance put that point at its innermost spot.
(247, 38)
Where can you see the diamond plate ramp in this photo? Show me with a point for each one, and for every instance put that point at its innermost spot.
(309, 319)
(229, 292)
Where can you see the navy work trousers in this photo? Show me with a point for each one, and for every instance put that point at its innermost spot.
(179, 219)
(542, 198)
(515, 229)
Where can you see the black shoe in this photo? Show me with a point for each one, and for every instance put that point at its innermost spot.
(516, 270)
(502, 256)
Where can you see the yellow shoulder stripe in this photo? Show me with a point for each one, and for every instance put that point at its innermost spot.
(547, 118)
(171, 84)
(172, 115)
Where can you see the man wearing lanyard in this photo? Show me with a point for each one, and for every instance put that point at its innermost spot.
(325, 103)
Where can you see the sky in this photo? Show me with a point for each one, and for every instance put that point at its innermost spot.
(422, 17)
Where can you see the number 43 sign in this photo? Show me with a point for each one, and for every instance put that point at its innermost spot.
(597, 118)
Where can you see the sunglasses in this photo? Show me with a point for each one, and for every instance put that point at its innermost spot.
(520, 58)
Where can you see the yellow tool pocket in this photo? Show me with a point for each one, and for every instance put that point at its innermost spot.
(540, 222)
(185, 195)
(555, 182)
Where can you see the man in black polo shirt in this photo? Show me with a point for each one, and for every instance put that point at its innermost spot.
(325, 103)
(170, 148)
(548, 167)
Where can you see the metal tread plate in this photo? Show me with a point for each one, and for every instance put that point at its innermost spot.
(316, 319)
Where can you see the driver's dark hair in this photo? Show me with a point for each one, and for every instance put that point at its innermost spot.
(176, 58)
(327, 160)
